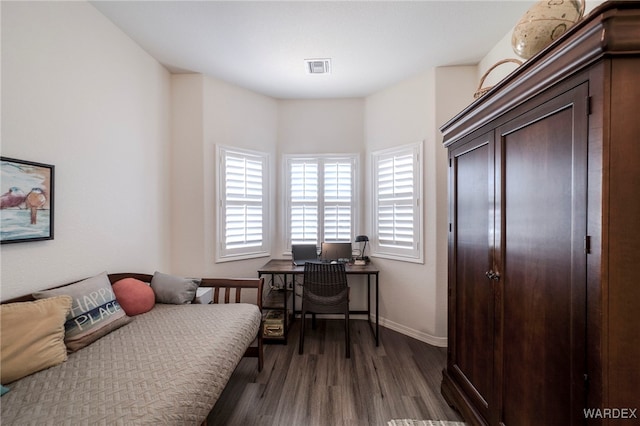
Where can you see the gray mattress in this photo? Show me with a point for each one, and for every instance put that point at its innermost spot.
(167, 367)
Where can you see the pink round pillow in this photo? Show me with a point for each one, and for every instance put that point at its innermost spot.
(134, 296)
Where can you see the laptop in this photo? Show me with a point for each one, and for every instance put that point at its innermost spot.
(302, 253)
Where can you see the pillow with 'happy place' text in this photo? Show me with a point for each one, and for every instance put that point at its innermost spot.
(95, 311)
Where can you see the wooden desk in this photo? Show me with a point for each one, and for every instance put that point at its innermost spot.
(285, 267)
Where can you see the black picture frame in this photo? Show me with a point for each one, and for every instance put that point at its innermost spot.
(26, 201)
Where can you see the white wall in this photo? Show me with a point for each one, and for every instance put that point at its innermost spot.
(207, 112)
(403, 114)
(78, 94)
(237, 117)
(413, 297)
(187, 174)
(323, 126)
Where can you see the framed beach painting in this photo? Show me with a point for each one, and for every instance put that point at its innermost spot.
(26, 203)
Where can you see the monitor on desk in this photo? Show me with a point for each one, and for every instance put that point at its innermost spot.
(339, 252)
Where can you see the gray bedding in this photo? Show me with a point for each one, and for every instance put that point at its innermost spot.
(167, 367)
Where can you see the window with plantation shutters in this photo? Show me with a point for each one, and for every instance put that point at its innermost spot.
(320, 199)
(242, 209)
(397, 212)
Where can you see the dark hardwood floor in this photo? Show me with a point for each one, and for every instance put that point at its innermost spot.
(398, 379)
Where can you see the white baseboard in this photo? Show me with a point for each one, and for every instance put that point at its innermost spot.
(440, 342)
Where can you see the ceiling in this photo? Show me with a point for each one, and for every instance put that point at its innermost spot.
(262, 45)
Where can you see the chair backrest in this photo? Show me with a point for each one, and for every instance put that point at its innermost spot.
(324, 279)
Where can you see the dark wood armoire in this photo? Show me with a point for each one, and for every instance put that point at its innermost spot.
(544, 241)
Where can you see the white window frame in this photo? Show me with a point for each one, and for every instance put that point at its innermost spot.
(354, 203)
(259, 248)
(404, 243)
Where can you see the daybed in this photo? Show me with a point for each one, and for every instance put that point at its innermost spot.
(167, 366)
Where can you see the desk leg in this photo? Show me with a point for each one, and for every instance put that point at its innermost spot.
(369, 300)
(286, 310)
(377, 317)
(375, 332)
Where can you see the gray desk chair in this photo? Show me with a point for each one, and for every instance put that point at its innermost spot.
(325, 291)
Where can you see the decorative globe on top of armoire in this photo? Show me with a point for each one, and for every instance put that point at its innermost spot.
(543, 23)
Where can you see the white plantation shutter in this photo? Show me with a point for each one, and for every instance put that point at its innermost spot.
(397, 203)
(304, 194)
(242, 212)
(243, 187)
(320, 199)
(338, 199)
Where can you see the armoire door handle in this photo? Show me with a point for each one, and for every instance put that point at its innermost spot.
(495, 276)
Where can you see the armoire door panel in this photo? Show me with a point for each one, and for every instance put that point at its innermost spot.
(473, 344)
(542, 274)
(623, 239)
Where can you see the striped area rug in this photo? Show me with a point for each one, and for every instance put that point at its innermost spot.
(409, 422)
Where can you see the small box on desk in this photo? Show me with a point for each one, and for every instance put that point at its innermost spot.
(273, 323)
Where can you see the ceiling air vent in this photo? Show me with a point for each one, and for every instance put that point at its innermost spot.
(318, 66)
